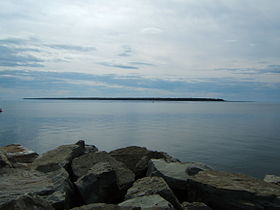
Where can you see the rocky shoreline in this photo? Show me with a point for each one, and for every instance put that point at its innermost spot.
(79, 177)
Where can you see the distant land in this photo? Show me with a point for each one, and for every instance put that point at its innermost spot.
(132, 99)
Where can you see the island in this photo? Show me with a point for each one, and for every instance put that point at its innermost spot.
(132, 99)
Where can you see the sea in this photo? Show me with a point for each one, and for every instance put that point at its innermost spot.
(239, 137)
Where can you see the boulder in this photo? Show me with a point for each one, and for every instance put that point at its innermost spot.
(54, 187)
(99, 185)
(62, 156)
(4, 162)
(222, 190)
(176, 174)
(137, 158)
(195, 206)
(16, 153)
(272, 179)
(148, 201)
(104, 206)
(27, 202)
(151, 186)
(82, 164)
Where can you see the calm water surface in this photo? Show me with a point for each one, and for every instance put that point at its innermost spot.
(237, 137)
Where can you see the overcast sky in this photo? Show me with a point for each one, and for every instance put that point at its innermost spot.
(210, 48)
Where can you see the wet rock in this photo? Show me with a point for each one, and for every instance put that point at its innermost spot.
(176, 174)
(54, 187)
(148, 201)
(27, 202)
(195, 206)
(99, 185)
(272, 179)
(16, 153)
(4, 162)
(222, 190)
(104, 206)
(61, 156)
(151, 186)
(82, 164)
(137, 158)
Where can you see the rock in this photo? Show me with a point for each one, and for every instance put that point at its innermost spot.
(104, 206)
(148, 201)
(82, 164)
(195, 206)
(99, 185)
(151, 186)
(16, 153)
(54, 187)
(4, 162)
(137, 158)
(176, 174)
(88, 148)
(272, 179)
(27, 202)
(61, 156)
(222, 190)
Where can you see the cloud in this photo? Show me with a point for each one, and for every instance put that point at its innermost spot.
(151, 30)
(12, 57)
(126, 51)
(71, 47)
(120, 66)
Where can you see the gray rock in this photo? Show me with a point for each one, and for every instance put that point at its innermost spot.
(104, 206)
(59, 157)
(150, 186)
(54, 187)
(16, 153)
(82, 164)
(176, 174)
(99, 185)
(222, 190)
(148, 201)
(27, 202)
(137, 158)
(272, 179)
(4, 162)
(195, 206)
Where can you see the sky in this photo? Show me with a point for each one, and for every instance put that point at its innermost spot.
(162, 48)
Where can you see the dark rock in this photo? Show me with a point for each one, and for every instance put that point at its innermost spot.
(272, 179)
(82, 164)
(62, 156)
(16, 153)
(176, 174)
(151, 186)
(104, 206)
(4, 162)
(54, 187)
(137, 158)
(27, 202)
(99, 185)
(148, 201)
(195, 206)
(222, 190)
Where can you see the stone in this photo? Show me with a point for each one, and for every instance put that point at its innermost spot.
(148, 201)
(222, 190)
(99, 185)
(27, 202)
(195, 206)
(54, 187)
(104, 206)
(82, 164)
(61, 156)
(137, 158)
(272, 179)
(16, 153)
(151, 186)
(176, 174)
(4, 162)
